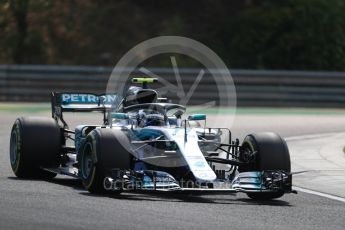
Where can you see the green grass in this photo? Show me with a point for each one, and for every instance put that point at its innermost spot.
(270, 111)
(291, 111)
(45, 107)
(25, 107)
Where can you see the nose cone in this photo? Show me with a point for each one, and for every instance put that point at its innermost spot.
(204, 176)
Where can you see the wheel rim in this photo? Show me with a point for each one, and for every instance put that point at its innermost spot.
(247, 149)
(13, 148)
(87, 162)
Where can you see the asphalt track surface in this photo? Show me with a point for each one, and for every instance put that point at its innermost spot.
(62, 203)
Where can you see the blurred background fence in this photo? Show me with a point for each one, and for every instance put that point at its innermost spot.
(33, 83)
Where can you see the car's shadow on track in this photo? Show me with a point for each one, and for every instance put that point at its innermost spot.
(70, 182)
(209, 199)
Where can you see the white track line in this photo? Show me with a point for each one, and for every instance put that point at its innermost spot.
(337, 198)
(311, 136)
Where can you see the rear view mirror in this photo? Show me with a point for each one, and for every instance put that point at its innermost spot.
(197, 117)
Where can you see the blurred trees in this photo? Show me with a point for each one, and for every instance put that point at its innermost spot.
(270, 34)
(289, 34)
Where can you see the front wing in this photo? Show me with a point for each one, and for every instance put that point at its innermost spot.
(158, 181)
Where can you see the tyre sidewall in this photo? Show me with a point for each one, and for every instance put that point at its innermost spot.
(107, 153)
(38, 144)
(272, 154)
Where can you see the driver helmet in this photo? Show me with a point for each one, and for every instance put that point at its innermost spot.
(154, 120)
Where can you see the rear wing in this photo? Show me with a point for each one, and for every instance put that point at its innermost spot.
(80, 102)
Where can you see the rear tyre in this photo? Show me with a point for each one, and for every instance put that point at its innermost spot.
(272, 154)
(35, 142)
(102, 151)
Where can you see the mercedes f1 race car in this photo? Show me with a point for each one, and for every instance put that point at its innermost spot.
(145, 144)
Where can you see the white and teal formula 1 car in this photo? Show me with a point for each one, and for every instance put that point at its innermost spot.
(144, 144)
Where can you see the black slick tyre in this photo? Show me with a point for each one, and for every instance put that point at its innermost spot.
(35, 143)
(103, 150)
(272, 154)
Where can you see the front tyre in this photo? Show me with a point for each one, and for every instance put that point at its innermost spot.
(35, 143)
(271, 154)
(102, 151)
